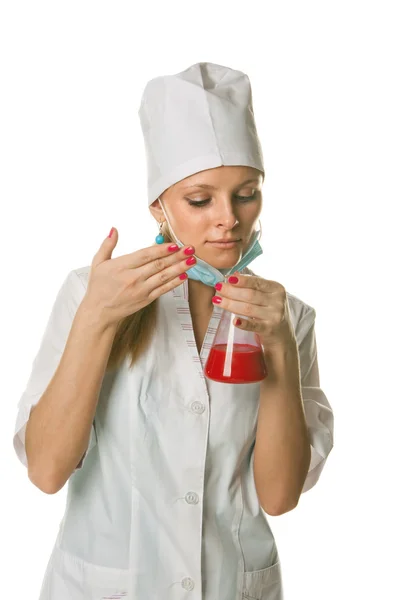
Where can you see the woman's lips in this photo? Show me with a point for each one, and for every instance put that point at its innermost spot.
(224, 245)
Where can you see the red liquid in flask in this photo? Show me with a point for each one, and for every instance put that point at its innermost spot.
(247, 364)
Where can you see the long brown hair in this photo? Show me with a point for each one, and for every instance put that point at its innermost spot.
(134, 332)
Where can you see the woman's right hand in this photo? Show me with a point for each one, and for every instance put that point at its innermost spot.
(119, 287)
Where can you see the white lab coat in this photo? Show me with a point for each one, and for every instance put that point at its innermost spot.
(164, 505)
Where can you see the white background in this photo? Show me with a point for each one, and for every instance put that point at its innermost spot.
(324, 77)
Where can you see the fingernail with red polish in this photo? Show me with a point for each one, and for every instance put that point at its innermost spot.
(216, 299)
(218, 286)
(233, 279)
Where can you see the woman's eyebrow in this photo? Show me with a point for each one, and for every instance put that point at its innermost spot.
(212, 187)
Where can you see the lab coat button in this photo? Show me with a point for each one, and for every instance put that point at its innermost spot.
(197, 407)
(187, 583)
(192, 498)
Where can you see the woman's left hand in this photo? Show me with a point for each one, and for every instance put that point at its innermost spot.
(265, 304)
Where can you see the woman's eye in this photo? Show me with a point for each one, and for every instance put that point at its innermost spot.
(242, 199)
(201, 203)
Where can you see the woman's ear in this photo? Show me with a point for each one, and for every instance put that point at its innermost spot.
(156, 210)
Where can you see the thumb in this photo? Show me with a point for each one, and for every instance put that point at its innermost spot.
(105, 250)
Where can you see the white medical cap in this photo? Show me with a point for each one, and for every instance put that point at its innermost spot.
(198, 119)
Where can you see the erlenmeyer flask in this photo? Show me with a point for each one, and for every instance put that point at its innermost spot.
(236, 356)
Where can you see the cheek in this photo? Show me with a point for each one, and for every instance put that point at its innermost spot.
(196, 223)
(193, 225)
(255, 210)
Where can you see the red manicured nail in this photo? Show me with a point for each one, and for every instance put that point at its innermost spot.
(218, 286)
(233, 279)
(216, 299)
(190, 250)
(111, 231)
(238, 322)
(172, 248)
(183, 276)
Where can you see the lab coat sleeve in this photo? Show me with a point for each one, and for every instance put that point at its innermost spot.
(47, 359)
(318, 412)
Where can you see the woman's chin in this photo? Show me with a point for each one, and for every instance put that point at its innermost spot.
(224, 261)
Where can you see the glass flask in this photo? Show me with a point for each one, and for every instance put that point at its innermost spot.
(236, 355)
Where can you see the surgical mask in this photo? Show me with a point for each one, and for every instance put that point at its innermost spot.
(209, 275)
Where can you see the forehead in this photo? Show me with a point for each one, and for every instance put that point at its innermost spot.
(224, 176)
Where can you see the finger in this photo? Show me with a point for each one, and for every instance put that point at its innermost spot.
(243, 294)
(146, 256)
(253, 282)
(105, 250)
(241, 308)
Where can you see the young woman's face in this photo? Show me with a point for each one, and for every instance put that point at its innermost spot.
(219, 203)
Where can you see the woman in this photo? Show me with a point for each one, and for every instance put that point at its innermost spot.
(170, 474)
